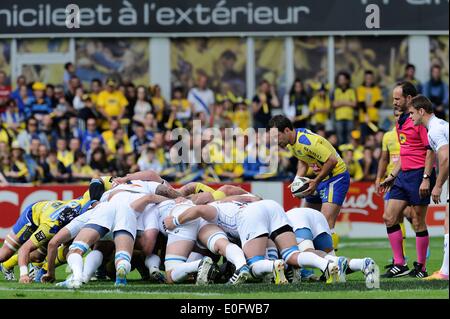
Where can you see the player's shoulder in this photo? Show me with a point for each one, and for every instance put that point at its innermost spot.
(306, 137)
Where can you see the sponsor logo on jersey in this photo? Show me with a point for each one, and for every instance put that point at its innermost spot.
(40, 236)
(402, 138)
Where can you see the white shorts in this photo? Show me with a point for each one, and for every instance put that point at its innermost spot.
(308, 218)
(188, 231)
(126, 217)
(261, 217)
(101, 215)
(148, 219)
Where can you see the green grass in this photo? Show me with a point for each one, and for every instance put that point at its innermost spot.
(354, 288)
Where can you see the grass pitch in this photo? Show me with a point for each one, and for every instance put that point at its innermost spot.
(354, 288)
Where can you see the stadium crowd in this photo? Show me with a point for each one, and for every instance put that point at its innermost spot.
(66, 133)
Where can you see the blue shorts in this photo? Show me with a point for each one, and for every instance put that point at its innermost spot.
(387, 195)
(24, 226)
(333, 190)
(407, 184)
(323, 241)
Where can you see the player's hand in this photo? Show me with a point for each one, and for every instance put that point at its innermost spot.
(387, 184)
(119, 180)
(436, 194)
(168, 223)
(378, 186)
(424, 189)
(179, 200)
(25, 279)
(48, 278)
(312, 185)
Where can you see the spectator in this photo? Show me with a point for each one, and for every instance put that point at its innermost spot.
(69, 71)
(31, 131)
(5, 89)
(74, 126)
(119, 138)
(142, 105)
(295, 104)
(89, 110)
(148, 161)
(38, 105)
(60, 132)
(263, 103)
(81, 172)
(437, 91)
(44, 169)
(63, 154)
(159, 107)
(99, 163)
(18, 170)
(90, 133)
(150, 125)
(50, 94)
(354, 167)
(370, 164)
(319, 108)
(139, 140)
(344, 103)
(410, 76)
(369, 102)
(201, 97)
(78, 102)
(62, 106)
(74, 84)
(182, 109)
(57, 171)
(241, 114)
(22, 96)
(111, 103)
(131, 96)
(96, 88)
(12, 119)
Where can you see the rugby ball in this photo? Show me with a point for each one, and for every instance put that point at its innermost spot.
(299, 185)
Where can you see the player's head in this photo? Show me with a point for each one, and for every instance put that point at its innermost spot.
(98, 186)
(285, 129)
(402, 95)
(418, 108)
(68, 213)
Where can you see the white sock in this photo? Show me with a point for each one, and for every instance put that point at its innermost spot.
(332, 258)
(75, 262)
(309, 259)
(193, 256)
(123, 259)
(235, 255)
(444, 268)
(181, 271)
(92, 261)
(152, 262)
(262, 267)
(356, 264)
(271, 253)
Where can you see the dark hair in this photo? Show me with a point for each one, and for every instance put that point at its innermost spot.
(67, 65)
(79, 154)
(407, 89)
(228, 54)
(97, 81)
(436, 66)
(366, 72)
(280, 122)
(410, 66)
(292, 90)
(421, 102)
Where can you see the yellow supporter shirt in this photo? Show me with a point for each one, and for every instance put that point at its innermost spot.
(369, 95)
(319, 104)
(65, 157)
(315, 150)
(158, 104)
(241, 119)
(344, 112)
(391, 144)
(112, 103)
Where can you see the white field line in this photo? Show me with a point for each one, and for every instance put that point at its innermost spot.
(105, 291)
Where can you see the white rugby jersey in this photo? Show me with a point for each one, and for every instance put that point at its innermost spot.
(437, 133)
(227, 215)
(136, 186)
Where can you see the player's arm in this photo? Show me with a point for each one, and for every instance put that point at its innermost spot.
(168, 192)
(329, 160)
(382, 165)
(442, 155)
(61, 237)
(241, 198)
(206, 212)
(302, 168)
(148, 175)
(139, 204)
(389, 181)
(430, 159)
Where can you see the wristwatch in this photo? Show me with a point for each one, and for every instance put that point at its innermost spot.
(426, 176)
